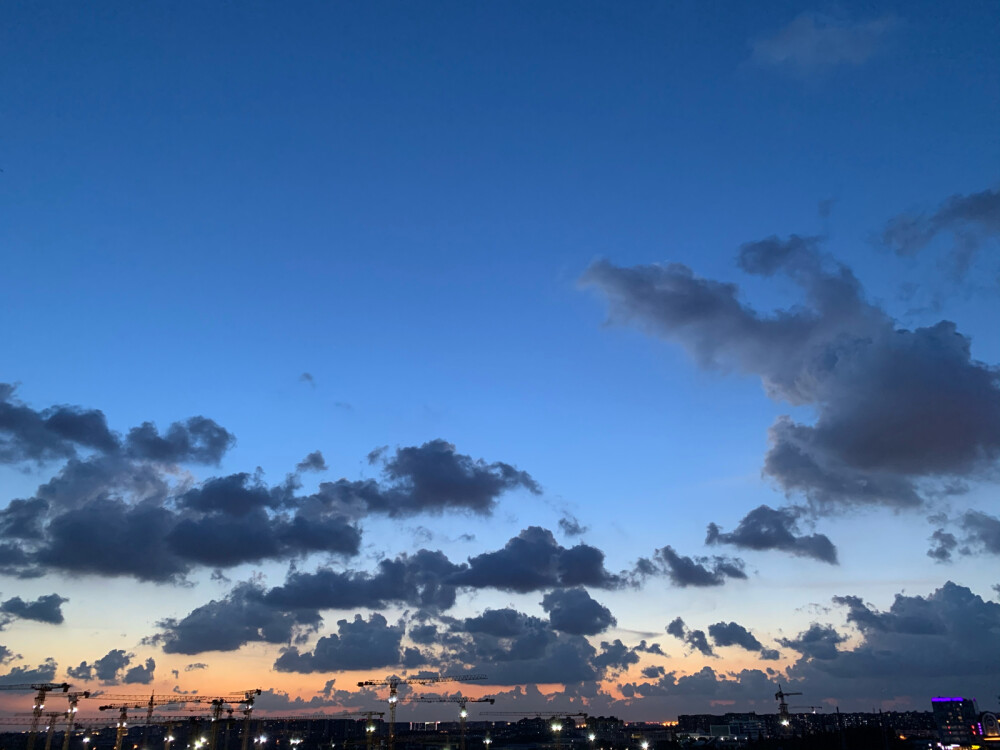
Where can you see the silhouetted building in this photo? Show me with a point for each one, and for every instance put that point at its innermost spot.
(957, 720)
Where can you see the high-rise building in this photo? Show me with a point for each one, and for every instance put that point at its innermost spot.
(957, 721)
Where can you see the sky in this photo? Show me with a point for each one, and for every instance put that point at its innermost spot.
(641, 357)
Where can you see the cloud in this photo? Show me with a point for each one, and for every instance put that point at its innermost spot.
(431, 478)
(44, 672)
(574, 611)
(652, 648)
(944, 546)
(813, 42)
(198, 665)
(982, 532)
(695, 639)
(571, 526)
(923, 645)
(197, 440)
(308, 379)
(46, 609)
(27, 435)
(734, 634)
(899, 412)
(110, 669)
(357, 645)
(980, 535)
(110, 537)
(818, 642)
(971, 220)
(241, 617)
(615, 656)
(141, 674)
(704, 687)
(765, 528)
(420, 580)
(533, 560)
(685, 571)
(313, 462)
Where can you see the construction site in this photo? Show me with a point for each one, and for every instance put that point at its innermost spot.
(61, 718)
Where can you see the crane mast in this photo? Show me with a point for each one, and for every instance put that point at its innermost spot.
(394, 682)
(43, 688)
(463, 712)
(74, 699)
(780, 696)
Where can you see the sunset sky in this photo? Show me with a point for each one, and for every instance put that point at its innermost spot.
(640, 356)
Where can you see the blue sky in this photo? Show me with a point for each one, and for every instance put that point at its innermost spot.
(341, 227)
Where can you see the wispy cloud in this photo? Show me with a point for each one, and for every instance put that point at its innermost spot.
(814, 42)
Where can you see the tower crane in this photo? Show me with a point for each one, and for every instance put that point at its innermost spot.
(149, 705)
(246, 703)
(218, 705)
(782, 705)
(394, 682)
(812, 709)
(74, 699)
(43, 688)
(463, 712)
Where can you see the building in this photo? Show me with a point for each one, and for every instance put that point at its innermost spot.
(957, 721)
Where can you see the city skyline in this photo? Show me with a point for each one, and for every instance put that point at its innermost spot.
(640, 358)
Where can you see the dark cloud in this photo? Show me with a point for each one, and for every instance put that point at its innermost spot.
(140, 674)
(44, 672)
(80, 481)
(357, 645)
(419, 580)
(814, 42)
(571, 526)
(944, 545)
(7, 656)
(127, 514)
(198, 665)
(532, 561)
(926, 645)
(615, 656)
(677, 628)
(197, 440)
(53, 433)
(982, 532)
(971, 220)
(313, 462)
(23, 519)
(110, 537)
(702, 571)
(766, 528)
(241, 617)
(431, 478)
(706, 686)
(652, 648)
(500, 623)
(44, 609)
(574, 611)
(233, 495)
(109, 669)
(818, 642)
(734, 634)
(307, 378)
(899, 412)
(695, 639)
